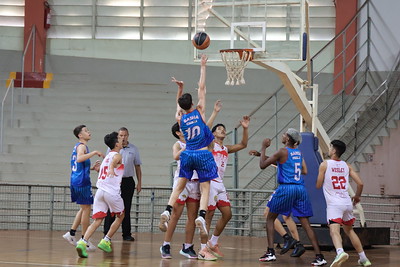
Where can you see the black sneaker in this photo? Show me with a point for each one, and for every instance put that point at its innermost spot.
(189, 252)
(165, 252)
(288, 244)
(319, 260)
(298, 250)
(268, 256)
(128, 238)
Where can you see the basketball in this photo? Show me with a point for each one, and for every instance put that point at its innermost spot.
(201, 40)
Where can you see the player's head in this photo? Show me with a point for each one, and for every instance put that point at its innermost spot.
(293, 136)
(175, 129)
(111, 140)
(219, 130)
(337, 148)
(123, 135)
(185, 101)
(81, 131)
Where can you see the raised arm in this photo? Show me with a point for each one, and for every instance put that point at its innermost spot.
(265, 161)
(201, 93)
(216, 110)
(178, 95)
(243, 144)
(321, 174)
(82, 156)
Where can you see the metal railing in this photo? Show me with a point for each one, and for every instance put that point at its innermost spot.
(42, 207)
(3, 103)
(31, 35)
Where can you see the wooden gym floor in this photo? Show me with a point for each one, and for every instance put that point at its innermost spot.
(46, 248)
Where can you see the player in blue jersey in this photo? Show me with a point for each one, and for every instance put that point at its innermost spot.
(291, 195)
(81, 187)
(197, 156)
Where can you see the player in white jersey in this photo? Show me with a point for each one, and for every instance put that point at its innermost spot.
(334, 176)
(218, 197)
(108, 196)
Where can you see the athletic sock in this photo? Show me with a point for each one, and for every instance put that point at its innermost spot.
(169, 208)
(203, 246)
(166, 243)
(363, 257)
(188, 245)
(202, 213)
(107, 238)
(339, 251)
(214, 240)
(72, 232)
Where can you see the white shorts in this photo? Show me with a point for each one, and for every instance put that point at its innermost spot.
(218, 196)
(342, 214)
(191, 193)
(104, 201)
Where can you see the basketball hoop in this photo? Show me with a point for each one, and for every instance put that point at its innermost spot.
(235, 61)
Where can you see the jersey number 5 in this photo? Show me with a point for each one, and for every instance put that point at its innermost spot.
(103, 173)
(339, 182)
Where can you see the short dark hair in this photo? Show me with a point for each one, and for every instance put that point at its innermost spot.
(339, 146)
(111, 140)
(123, 129)
(175, 128)
(185, 101)
(216, 126)
(78, 130)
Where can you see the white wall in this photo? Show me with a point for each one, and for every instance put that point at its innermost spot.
(385, 32)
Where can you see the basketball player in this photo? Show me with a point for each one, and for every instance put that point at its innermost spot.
(81, 186)
(218, 196)
(289, 241)
(108, 196)
(291, 194)
(196, 157)
(333, 177)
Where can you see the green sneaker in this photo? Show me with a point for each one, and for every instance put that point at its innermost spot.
(364, 263)
(342, 257)
(81, 249)
(105, 246)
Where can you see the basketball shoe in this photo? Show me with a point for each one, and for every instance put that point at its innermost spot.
(81, 249)
(319, 260)
(164, 218)
(268, 256)
(201, 224)
(105, 246)
(289, 243)
(215, 250)
(205, 255)
(364, 263)
(90, 246)
(165, 252)
(339, 259)
(189, 252)
(70, 239)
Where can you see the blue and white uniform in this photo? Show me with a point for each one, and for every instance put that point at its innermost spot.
(291, 194)
(197, 136)
(81, 192)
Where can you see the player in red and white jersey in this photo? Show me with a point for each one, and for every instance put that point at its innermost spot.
(107, 196)
(334, 176)
(218, 197)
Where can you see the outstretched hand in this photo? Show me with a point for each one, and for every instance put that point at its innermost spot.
(204, 59)
(179, 83)
(218, 105)
(254, 153)
(245, 122)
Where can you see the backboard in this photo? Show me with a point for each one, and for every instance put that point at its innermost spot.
(274, 29)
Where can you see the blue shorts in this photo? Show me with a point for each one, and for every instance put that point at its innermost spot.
(201, 161)
(291, 198)
(82, 195)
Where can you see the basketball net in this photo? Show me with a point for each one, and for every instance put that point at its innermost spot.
(235, 61)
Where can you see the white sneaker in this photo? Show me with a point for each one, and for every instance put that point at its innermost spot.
(164, 218)
(201, 224)
(339, 259)
(90, 246)
(70, 239)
